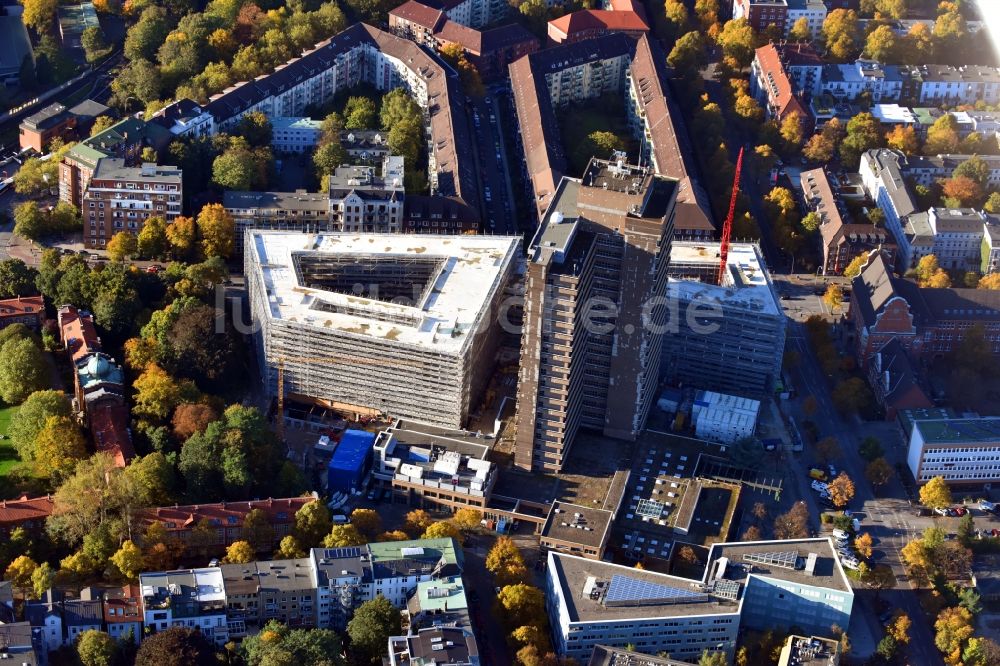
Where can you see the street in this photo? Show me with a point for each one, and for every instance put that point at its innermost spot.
(498, 213)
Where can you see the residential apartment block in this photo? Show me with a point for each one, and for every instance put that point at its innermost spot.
(591, 339)
(294, 135)
(359, 54)
(121, 198)
(124, 140)
(727, 337)
(257, 592)
(947, 84)
(884, 83)
(954, 236)
(38, 130)
(761, 14)
(929, 323)
(293, 211)
(775, 90)
(27, 310)
(362, 200)
(455, 646)
(963, 451)
(589, 23)
(575, 72)
(193, 598)
(842, 240)
(744, 585)
(813, 11)
(406, 324)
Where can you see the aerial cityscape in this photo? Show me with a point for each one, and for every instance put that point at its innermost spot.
(500, 333)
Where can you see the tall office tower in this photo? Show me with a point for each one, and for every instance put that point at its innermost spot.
(590, 346)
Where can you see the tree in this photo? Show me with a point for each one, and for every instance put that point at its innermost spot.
(738, 41)
(881, 44)
(289, 548)
(886, 648)
(506, 563)
(851, 395)
(181, 235)
(990, 281)
(935, 493)
(367, 522)
(176, 646)
(467, 519)
(157, 393)
(833, 298)
(442, 530)
(234, 169)
(794, 524)
(521, 604)
(962, 189)
(841, 490)
(604, 143)
(842, 33)
(19, 573)
(193, 417)
(878, 472)
(899, 628)
(277, 644)
(239, 552)
(328, 157)
(828, 449)
(58, 446)
(152, 241)
(970, 600)
(676, 13)
(216, 231)
(341, 536)
(123, 245)
(819, 148)
(39, 14)
(16, 279)
(30, 418)
(713, 658)
(96, 648)
(394, 535)
(954, 627)
(981, 652)
(258, 531)
(800, 31)
(904, 139)
(41, 579)
(312, 523)
(417, 521)
(370, 628)
(870, 449)
(359, 113)
(993, 203)
(942, 136)
(29, 221)
(689, 53)
(129, 561)
(752, 533)
(928, 271)
(94, 44)
(863, 133)
(791, 130)
(863, 544)
(23, 370)
(255, 128)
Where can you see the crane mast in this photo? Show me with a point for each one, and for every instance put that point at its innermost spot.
(727, 227)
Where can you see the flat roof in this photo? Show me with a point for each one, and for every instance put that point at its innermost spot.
(577, 524)
(960, 431)
(430, 550)
(298, 200)
(574, 574)
(604, 655)
(283, 575)
(471, 270)
(827, 572)
(114, 167)
(442, 594)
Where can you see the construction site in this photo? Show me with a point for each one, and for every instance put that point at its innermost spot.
(379, 324)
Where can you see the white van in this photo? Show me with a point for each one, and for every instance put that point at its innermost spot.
(840, 534)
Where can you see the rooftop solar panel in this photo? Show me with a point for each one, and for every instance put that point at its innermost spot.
(625, 591)
(341, 553)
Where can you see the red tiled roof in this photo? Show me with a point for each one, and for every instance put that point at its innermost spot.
(109, 427)
(599, 19)
(781, 96)
(22, 305)
(419, 13)
(15, 512)
(78, 332)
(227, 513)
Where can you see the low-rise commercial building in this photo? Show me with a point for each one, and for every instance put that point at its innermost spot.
(577, 530)
(294, 135)
(727, 337)
(963, 451)
(56, 121)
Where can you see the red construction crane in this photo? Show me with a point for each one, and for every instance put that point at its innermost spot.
(727, 227)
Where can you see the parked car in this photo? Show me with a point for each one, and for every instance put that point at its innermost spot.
(987, 506)
(819, 486)
(960, 511)
(941, 510)
(817, 474)
(840, 534)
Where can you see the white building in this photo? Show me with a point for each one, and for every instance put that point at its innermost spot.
(363, 200)
(295, 135)
(894, 114)
(380, 323)
(724, 418)
(960, 450)
(757, 585)
(847, 82)
(186, 598)
(813, 11)
(966, 84)
(991, 245)
(954, 236)
(882, 177)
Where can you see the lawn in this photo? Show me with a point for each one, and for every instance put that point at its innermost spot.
(578, 121)
(8, 456)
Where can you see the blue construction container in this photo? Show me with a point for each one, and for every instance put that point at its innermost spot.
(351, 462)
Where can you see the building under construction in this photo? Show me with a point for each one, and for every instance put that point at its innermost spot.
(401, 325)
(727, 337)
(591, 340)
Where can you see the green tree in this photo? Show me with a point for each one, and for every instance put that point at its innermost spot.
(942, 136)
(129, 561)
(863, 133)
(851, 394)
(146, 36)
(604, 143)
(359, 113)
(234, 169)
(713, 658)
(94, 45)
(16, 279)
(870, 449)
(255, 128)
(289, 548)
(277, 644)
(257, 530)
(58, 446)
(312, 523)
(370, 628)
(29, 221)
(96, 648)
(41, 579)
(176, 646)
(689, 52)
(981, 652)
(881, 44)
(23, 370)
(328, 157)
(152, 241)
(738, 41)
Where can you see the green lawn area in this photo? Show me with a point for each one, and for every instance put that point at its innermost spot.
(578, 121)
(8, 456)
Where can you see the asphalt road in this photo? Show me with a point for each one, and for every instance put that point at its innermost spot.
(497, 202)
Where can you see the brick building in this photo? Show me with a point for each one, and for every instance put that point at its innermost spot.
(589, 23)
(121, 198)
(762, 13)
(25, 512)
(27, 310)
